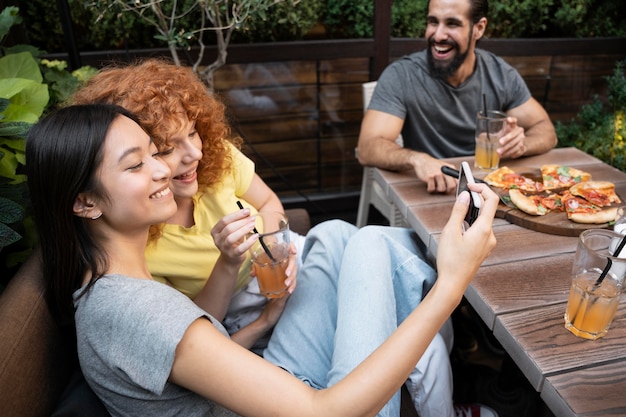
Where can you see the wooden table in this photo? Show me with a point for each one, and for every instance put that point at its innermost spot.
(521, 291)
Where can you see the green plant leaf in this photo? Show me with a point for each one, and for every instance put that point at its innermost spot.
(8, 164)
(10, 211)
(28, 99)
(20, 65)
(15, 130)
(8, 235)
(8, 18)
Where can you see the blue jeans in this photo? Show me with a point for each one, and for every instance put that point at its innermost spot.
(354, 287)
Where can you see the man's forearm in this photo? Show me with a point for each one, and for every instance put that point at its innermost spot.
(540, 138)
(386, 155)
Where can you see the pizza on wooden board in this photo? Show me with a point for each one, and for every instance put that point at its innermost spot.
(535, 204)
(577, 208)
(600, 193)
(580, 210)
(583, 200)
(560, 176)
(506, 178)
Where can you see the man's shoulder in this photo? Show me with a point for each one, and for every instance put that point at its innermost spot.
(409, 63)
(489, 58)
(418, 56)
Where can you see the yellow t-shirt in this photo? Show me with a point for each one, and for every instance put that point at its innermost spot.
(184, 257)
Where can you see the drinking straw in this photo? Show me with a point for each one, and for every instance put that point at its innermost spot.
(607, 268)
(265, 248)
(485, 107)
(489, 153)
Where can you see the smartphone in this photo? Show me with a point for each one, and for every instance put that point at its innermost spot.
(466, 177)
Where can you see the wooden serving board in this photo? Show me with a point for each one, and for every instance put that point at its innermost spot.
(554, 223)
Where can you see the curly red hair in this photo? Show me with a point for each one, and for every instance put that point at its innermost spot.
(164, 96)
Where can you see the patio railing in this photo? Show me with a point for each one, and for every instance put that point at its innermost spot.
(298, 104)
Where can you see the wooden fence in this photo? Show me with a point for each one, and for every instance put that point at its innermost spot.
(299, 106)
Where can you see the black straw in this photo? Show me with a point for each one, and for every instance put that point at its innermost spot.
(265, 248)
(489, 153)
(609, 262)
(485, 107)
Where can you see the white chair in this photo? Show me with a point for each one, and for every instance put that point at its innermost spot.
(371, 193)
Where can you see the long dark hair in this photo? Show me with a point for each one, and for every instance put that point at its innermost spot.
(63, 153)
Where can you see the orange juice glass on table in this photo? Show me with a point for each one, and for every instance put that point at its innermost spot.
(592, 303)
(489, 130)
(270, 253)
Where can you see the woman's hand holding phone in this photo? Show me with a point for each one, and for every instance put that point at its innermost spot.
(466, 177)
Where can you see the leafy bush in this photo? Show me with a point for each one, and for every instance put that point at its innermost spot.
(115, 31)
(578, 18)
(28, 87)
(341, 18)
(505, 18)
(349, 18)
(282, 22)
(408, 18)
(354, 18)
(599, 128)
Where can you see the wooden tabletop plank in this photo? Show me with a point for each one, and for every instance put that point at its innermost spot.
(597, 391)
(561, 156)
(541, 346)
(516, 243)
(386, 178)
(506, 287)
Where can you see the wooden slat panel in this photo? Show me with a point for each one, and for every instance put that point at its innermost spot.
(257, 103)
(344, 70)
(345, 177)
(339, 149)
(589, 392)
(340, 123)
(278, 154)
(541, 346)
(583, 66)
(343, 97)
(265, 74)
(287, 128)
(505, 289)
(303, 178)
(529, 66)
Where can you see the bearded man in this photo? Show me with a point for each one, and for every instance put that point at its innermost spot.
(432, 98)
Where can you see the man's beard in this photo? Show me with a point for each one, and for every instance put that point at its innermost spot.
(444, 70)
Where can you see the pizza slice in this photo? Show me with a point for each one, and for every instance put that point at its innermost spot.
(535, 204)
(600, 193)
(505, 177)
(560, 176)
(580, 210)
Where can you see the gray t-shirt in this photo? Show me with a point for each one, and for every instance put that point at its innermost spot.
(127, 331)
(440, 119)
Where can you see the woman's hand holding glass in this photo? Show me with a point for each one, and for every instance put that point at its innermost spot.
(232, 236)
